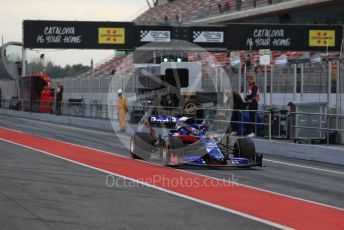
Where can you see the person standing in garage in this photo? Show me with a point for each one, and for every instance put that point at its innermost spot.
(59, 97)
(235, 102)
(251, 101)
(122, 106)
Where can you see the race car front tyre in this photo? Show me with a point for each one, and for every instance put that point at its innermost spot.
(141, 146)
(259, 160)
(171, 151)
(244, 147)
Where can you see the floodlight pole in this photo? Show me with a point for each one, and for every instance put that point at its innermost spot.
(154, 57)
(239, 83)
(271, 84)
(245, 67)
(295, 82)
(23, 72)
(338, 105)
(245, 76)
(89, 89)
(302, 77)
(329, 85)
(23, 53)
(265, 83)
(216, 78)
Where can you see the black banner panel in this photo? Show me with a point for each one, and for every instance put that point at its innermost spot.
(284, 37)
(78, 35)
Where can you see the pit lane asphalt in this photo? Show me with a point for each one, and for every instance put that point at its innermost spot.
(38, 191)
(316, 185)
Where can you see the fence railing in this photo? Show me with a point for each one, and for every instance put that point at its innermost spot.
(298, 126)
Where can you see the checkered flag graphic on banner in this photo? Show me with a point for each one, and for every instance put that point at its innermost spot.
(143, 33)
(196, 34)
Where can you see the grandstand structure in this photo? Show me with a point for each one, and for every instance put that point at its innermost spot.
(179, 11)
(94, 84)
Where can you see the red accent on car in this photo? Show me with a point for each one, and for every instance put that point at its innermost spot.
(174, 159)
(186, 137)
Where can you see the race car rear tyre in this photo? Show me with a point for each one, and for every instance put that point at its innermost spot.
(244, 147)
(171, 151)
(141, 146)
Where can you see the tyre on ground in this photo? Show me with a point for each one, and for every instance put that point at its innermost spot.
(172, 148)
(141, 146)
(244, 147)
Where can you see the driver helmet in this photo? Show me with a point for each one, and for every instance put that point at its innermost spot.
(187, 123)
(184, 121)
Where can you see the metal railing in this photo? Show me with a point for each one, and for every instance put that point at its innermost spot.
(318, 128)
(220, 120)
(301, 126)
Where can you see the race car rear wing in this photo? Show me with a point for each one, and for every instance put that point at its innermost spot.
(166, 121)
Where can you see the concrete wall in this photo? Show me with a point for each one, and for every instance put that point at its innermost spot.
(327, 154)
(73, 121)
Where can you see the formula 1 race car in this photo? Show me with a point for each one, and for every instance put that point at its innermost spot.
(181, 141)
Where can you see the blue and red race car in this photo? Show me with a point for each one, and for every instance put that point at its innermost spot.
(182, 141)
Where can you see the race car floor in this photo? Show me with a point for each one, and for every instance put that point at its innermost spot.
(44, 192)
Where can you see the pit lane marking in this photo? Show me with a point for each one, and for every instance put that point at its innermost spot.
(304, 166)
(84, 159)
(125, 136)
(191, 172)
(270, 223)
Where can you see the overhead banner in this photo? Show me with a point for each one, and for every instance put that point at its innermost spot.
(284, 37)
(78, 35)
(127, 36)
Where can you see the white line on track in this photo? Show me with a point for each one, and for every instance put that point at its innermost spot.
(276, 225)
(124, 136)
(12, 130)
(69, 127)
(273, 161)
(304, 166)
(308, 145)
(198, 174)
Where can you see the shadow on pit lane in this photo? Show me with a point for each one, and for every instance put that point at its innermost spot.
(201, 167)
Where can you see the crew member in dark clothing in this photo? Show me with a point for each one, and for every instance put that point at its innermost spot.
(235, 102)
(238, 4)
(227, 7)
(219, 6)
(251, 101)
(59, 97)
